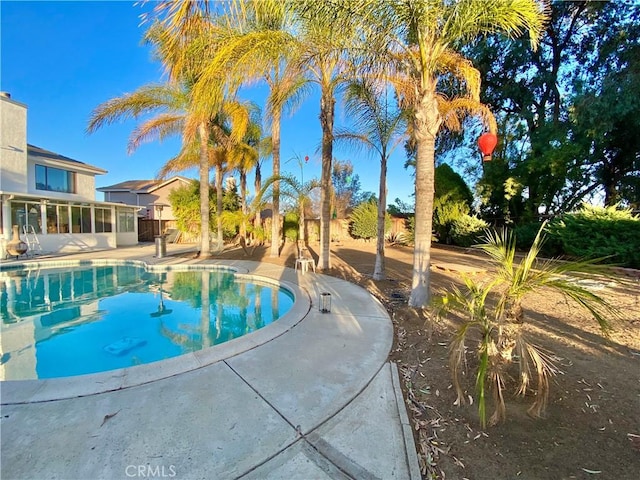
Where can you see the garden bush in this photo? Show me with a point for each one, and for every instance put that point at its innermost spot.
(290, 226)
(597, 232)
(526, 233)
(364, 221)
(467, 230)
(446, 210)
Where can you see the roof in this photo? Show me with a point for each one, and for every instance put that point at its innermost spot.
(40, 154)
(7, 195)
(142, 186)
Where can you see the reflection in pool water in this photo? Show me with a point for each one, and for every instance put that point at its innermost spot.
(73, 321)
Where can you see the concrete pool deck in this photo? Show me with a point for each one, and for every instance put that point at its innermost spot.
(311, 398)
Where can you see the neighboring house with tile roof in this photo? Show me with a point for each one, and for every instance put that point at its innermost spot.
(52, 198)
(146, 194)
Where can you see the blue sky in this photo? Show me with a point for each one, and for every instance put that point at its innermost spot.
(62, 59)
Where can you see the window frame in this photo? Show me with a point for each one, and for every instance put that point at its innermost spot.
(71, 179)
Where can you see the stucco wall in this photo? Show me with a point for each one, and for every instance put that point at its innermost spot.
(13, 145)
(127, 239)
(67, 242)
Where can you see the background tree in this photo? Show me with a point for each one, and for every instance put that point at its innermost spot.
(247, 158)
(185, 204)
(549, 105)
(606, 107)
(364, 221)
(346, 188)
(452, 201)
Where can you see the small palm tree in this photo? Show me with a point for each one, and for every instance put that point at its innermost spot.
(290, 188)
(381, 127)
(494, 309)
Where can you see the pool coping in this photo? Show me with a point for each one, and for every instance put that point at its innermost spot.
(15, 392)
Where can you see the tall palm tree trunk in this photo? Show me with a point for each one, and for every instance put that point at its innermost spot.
(378, 269)
(275, 206)
(219, 207)
(327, 109)
(427, 121)
(301, 236)
(243, 200)
(205, 245)
(257, 186)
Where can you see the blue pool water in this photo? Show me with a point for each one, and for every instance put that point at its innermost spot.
(73, 321)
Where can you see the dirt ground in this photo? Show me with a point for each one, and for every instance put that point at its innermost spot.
(591, 428)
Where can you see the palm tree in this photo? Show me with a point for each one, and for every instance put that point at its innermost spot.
(325, 38)
(257, 44)
(415, 42)
(299, 193)
(176, 33)
(430, 32)
(380, 129)
(171, 103)
(247, 158)
(224, 149)
(501, 322)
(264, 150)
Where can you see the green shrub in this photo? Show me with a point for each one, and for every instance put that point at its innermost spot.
(467, 230)
(446, 210)
(364, 221)
(526, 233)
(230, 224)
(290, 226)
(410, 224)
(260, 235)
(597, 232)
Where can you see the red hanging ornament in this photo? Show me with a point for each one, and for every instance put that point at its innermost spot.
(487, 143)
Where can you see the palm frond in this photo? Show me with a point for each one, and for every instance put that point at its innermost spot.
(188, 157)
(156, 128)
(454, 111)
(146, 99)
(461, 68)
(467, 19)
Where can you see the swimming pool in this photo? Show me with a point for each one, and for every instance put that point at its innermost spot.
(60, 322)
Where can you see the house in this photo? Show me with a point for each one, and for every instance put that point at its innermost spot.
(147, 194)
(51, 198)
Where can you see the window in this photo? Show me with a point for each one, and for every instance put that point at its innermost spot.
(80, 219)
(55, 179)
(103, 220)
(26, 214)
(126, 221)
(57, 218)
